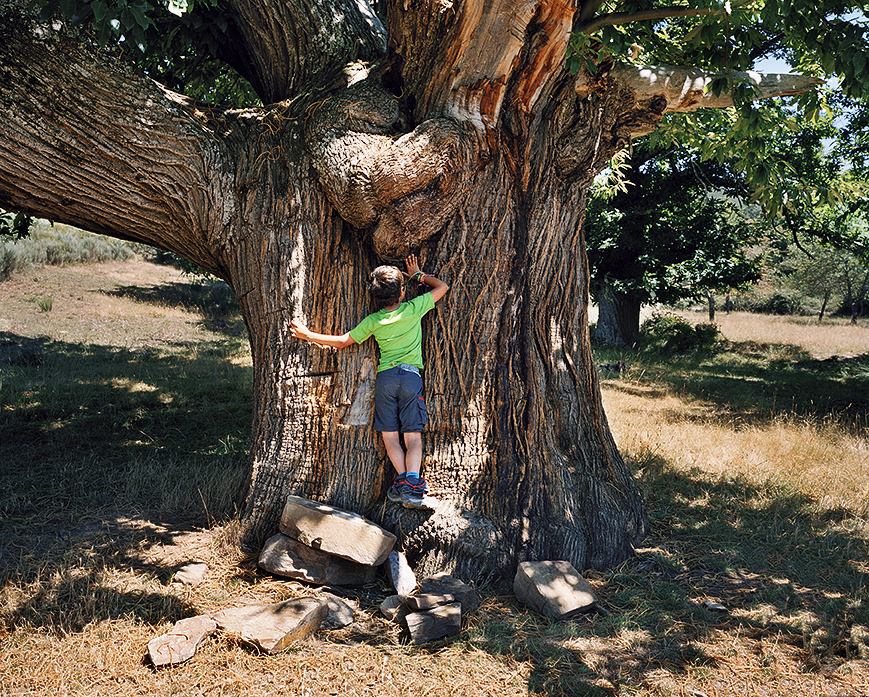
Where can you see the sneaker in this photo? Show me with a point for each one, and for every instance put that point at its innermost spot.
(413, 495)
(393, 493)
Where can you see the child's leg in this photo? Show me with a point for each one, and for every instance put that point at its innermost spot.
(392, 443)
(413, 457)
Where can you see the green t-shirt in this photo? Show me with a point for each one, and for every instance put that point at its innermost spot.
(398, 332)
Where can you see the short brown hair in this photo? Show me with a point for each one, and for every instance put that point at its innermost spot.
(385, 285)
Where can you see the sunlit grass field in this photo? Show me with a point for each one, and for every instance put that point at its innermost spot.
(124, 427)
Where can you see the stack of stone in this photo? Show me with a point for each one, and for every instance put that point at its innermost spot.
(326, 546)
(435, 610)
(318, 544)
(268, 628)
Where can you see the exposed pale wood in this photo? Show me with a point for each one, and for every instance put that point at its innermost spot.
(684, 88)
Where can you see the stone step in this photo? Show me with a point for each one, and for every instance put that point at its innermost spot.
(554, 589)
(335, 531)
(273, 628)
(181, 642)
(437, 623)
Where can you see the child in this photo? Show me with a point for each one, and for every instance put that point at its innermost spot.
(399, 403)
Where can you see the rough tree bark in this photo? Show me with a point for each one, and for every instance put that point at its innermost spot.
(470, 144)
(618, 319)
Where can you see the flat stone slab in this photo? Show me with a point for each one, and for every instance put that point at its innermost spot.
(392, 606)
(341, 613)
(284, 556)
(437, 623)
(553, 588)
(181, 642)
(444, 584)
(335, 531)
(191, 574)
(273, 628)
(427, 601)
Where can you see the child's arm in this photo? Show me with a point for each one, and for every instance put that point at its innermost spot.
(300, 331)
(438, 287)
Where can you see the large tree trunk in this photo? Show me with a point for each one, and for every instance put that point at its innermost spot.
(481, 167)
(618, 319)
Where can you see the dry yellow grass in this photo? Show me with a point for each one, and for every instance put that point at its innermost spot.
(77, 611)
(832, 337)
(819, 459)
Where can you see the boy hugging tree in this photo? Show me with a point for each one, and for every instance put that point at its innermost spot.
(399, 403)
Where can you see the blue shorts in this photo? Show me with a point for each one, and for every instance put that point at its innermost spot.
(399, 404)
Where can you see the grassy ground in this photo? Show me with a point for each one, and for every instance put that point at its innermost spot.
(124, 422)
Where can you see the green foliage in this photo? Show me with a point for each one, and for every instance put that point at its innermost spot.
(779, 303)
(182, 44)
(15, 226)
(670, 232)
(826, 39)
(665, 333)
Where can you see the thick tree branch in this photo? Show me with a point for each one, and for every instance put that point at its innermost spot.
(85, 142)
(301, 44)
(589, 24)
(683, 88)
(614, 18)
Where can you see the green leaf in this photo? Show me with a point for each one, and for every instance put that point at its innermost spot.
(100, 10)
(141, 20)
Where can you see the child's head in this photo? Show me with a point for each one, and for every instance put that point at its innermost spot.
(386, 285)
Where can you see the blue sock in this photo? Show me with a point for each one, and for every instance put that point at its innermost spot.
(412, 476)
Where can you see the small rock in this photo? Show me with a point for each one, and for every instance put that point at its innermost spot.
(437, 623)
(443, 584)
(400, 574)
(273, 628)
(191, 574)
(341, 613)
(714, 607)
(427, 601)
(180, 643)
(553, 588)
(335, 531)
(391, 607)
(287, 557)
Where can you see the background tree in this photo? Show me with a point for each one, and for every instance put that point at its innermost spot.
(826, 272)
(669, 233)
(468, 132)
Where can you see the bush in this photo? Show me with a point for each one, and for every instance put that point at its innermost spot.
(666, 333)
(58, 246)
(778, 302)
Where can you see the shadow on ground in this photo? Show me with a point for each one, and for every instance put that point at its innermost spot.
(726, 563)
(746, 383)
(212, 299)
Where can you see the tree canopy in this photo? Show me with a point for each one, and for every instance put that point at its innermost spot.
(673, 230)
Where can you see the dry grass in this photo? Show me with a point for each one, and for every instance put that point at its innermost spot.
(820, 459)
(137, 445)
(833, 337)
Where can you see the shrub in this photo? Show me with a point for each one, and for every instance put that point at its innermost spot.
(777, 302)
(666, 333)
(11, 260)
(59, 245)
